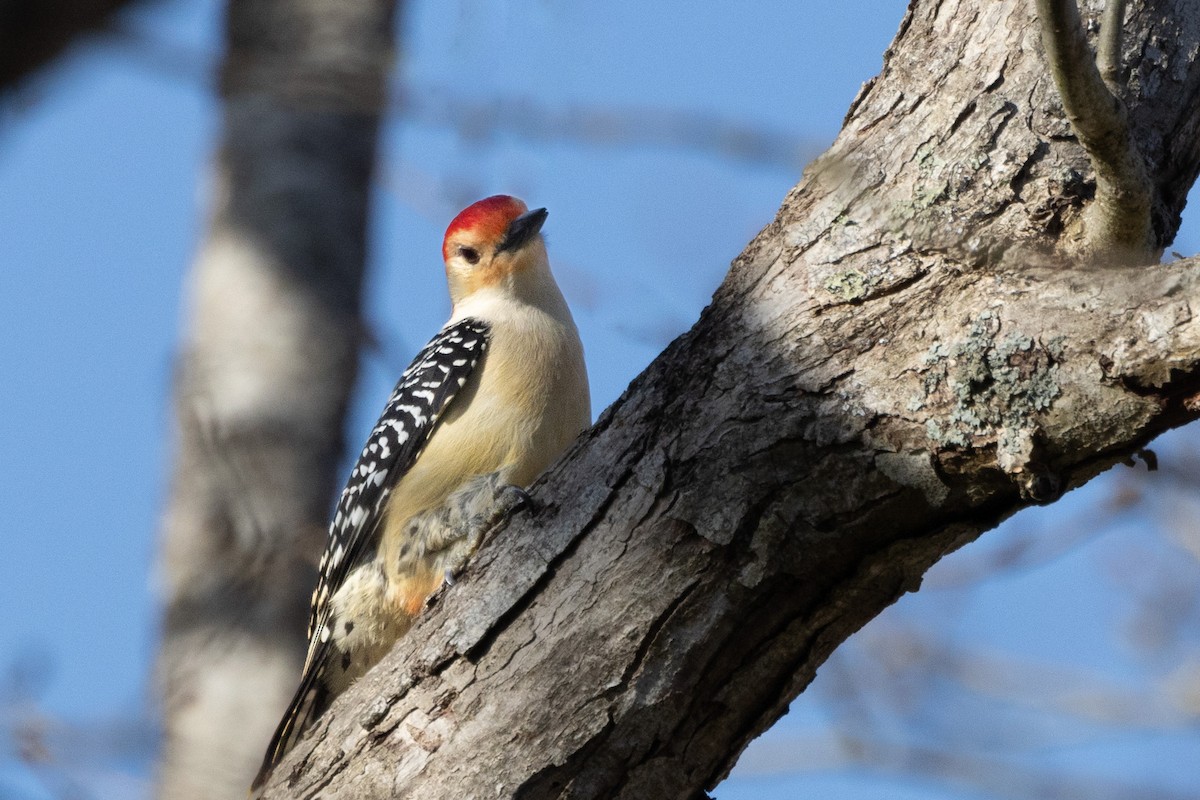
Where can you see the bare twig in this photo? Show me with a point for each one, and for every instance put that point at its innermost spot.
(971, 771)
(1108, 57)
(604, 127)
(1116, 226)
(527, 117)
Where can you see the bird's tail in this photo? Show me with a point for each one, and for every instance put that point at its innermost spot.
(309, 702)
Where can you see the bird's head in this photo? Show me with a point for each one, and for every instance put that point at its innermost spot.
(493, 243)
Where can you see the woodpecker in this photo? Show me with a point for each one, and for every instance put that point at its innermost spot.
(489, 403)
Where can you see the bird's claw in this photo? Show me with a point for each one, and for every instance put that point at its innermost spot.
(511, 498)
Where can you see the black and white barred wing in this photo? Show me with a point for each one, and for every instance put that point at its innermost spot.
(421, 396)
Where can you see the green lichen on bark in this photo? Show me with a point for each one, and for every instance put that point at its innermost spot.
(993, 384)
(849, 286)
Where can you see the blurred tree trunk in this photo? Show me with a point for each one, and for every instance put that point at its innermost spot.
(904, 357)
(267, 365)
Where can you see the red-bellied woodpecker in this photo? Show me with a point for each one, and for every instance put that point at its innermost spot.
(488, 404)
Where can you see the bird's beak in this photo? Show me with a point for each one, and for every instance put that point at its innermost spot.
(522, 229)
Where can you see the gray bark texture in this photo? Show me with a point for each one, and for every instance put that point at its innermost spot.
(901, 359)
(268, 361)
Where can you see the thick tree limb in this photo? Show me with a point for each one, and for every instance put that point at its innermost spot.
(268, 363)
(631, 637)
(1117, 225)
(895, 364)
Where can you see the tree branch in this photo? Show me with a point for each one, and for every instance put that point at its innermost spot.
(532, 120)
(34, 32)
(968, 773)
(886, 372)
(1108, 56)
(688, 572)
(1117, 225)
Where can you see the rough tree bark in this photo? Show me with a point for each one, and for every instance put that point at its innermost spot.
(900, 360)
(267, 365)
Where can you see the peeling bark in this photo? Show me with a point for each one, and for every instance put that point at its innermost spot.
(899, 361)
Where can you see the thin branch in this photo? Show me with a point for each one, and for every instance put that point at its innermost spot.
(1108, 58)
(1094, 112)
(530, 119)
(959, 768)
(1117, 224)
(527, 118)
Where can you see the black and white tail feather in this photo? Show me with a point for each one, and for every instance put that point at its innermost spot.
(421, 396)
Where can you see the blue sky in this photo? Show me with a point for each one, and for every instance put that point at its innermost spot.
(102, 165)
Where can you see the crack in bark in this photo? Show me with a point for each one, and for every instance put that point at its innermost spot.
(1021, 178)
(485, 641)
(999, 79)
(651, 636)
(961, 118)
(552, 781)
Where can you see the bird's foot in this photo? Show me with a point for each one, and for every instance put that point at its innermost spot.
(451, 534)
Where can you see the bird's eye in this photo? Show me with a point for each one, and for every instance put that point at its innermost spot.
(470, 254)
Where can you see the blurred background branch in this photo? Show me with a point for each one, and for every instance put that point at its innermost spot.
(34, 32)
(479, 118)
